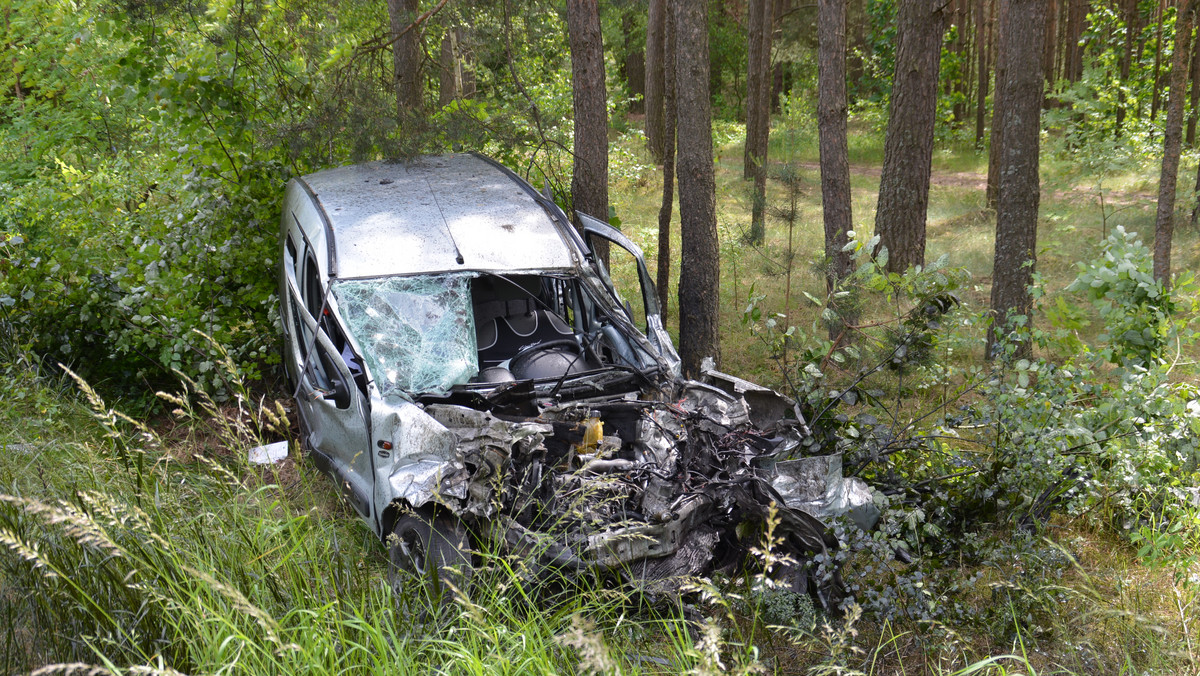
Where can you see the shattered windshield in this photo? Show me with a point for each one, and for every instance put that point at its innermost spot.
(417, 333)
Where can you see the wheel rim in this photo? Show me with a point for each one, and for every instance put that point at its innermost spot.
(411, 553)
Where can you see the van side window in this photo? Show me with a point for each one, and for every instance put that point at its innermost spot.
(291, 268)
(312, 286)
(353, 361)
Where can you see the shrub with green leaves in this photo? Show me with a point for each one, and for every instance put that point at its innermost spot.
(1139, 311)
(122, 300)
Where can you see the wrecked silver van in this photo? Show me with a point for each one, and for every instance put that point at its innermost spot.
(466, 369)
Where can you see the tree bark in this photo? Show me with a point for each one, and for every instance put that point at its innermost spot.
(758, 111)
(995, 142)
(908, 145)
(982, 44)
(655, 65)
(1131, 18)
(633, 65)
(1158, 35)
(1050, 43)
(450, 77)
(1164, 221)
(668, 191)
(756, 82)
(780, 79)
(1020, 187)
(1196, 206)
(758, 115)
(954, 16)
(1076, 20)
(406, 55)
(966, 79)
(1194, 104)
(831, 127)
(699, 270)
(589, 181)
(967, 86)
(772, 79)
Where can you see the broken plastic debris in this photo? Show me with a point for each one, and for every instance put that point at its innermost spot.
(271, 453)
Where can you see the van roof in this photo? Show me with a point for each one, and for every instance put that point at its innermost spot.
(436, 214)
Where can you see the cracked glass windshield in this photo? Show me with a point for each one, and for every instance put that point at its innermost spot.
(417, 333)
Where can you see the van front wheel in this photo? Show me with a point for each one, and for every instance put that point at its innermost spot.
(427, 553)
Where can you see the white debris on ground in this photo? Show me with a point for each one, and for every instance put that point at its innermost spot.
(271, 453)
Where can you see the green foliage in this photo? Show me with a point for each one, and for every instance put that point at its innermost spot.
(950, 99)
(124, 304)
(155, 216)
(1140, 314)
(977, 470)
(880, 59)
(145, 147)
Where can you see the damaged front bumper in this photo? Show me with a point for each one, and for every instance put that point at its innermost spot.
(650, 490)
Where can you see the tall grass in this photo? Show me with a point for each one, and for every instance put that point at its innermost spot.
(130, 551)
(153, 561)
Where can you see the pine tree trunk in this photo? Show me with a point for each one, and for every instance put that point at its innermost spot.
(1164, 221)
(767, 93)
(958, 14)
(756, 81)
(655, 65)
(668, 191)
(406, 55)
(1158, 34)
(1131, 27)
(699, 269)
(758, 110)
(1195, 94)
(633, 66)
(908, 145)
(995, 142)
(781, 79)
(967, 86)
(1196, 207)
(589, 182)
(1023, 30)
(1072, 54)
(831, 126)
(982, 44)
(450, 76)
(1050, 42)
(966, 78)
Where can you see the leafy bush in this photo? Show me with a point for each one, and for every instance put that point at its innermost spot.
(989, 456)
(123, 300)
(1139, 312)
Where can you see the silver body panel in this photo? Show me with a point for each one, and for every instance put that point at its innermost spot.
(436, 214)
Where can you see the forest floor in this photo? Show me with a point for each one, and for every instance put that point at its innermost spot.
(977, 181)
(1078, 211)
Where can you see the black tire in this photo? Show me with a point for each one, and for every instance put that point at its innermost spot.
(425, 552)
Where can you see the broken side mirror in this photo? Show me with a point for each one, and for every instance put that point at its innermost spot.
(339, 393)
(328, 376)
